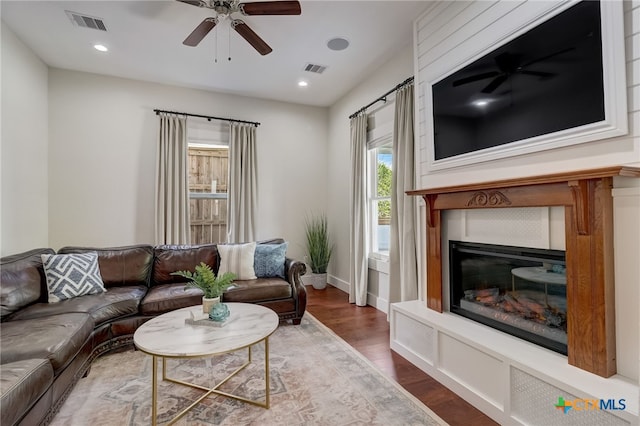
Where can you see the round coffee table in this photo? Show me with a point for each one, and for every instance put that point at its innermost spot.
(168, 336)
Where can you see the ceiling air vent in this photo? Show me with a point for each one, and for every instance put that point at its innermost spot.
(85, 21)
(318, 69)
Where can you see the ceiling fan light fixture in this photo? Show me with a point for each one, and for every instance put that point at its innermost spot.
(224, 10)
(101, 47)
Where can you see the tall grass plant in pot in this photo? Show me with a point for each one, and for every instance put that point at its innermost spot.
(318, 250)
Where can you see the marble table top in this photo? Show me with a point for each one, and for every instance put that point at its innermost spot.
(168, 336)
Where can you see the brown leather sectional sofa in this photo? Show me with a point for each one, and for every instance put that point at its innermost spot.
(45, 348)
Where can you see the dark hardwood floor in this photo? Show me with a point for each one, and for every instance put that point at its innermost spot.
(367, 330)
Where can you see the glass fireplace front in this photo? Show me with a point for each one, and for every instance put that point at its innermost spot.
(517, 290)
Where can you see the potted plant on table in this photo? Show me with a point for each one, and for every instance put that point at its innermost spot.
(318, 251)
(206, 280)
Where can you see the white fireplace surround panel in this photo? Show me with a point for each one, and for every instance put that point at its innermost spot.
(523, 227)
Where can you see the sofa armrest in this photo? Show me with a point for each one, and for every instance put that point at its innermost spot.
(293, 269)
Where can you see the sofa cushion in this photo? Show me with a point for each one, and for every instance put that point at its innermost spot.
(121, 266)
(237, 259)
(168, 297)
(57, 338)
(269, 260)
(258, 290)
(172, 258)
(22, 281)
(72, 275)
(22, 383)
(117, 302)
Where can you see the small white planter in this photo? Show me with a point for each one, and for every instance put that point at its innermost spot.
(318, 281)
(207, 304)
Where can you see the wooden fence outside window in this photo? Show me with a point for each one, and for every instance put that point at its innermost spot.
(208, 171)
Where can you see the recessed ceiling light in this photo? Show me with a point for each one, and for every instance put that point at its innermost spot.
(338, 43)
(303, 83)
(100, 47)
(481, 103)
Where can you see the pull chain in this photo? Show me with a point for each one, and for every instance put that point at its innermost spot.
(216, 45)
(230, 41)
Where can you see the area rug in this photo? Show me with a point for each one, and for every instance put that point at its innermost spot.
(316, 379)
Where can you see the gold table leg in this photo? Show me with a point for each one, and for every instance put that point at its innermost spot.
(208, 391)
(154, 390)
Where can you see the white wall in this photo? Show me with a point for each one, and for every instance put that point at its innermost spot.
(24, 148)
(339, 164)
(103, 134)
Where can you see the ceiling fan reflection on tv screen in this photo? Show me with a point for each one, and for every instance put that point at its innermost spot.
(509, 64)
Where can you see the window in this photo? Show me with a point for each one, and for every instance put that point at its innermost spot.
(379, 174)
(379, 186)
(208, 174)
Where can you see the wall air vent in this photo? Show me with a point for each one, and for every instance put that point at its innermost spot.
(86, 21)
(318, 69)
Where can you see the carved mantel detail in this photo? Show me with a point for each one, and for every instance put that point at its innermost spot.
(586, 198)
(488, 199)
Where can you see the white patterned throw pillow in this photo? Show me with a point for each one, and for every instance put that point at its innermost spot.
(72, 275)
(237, 258)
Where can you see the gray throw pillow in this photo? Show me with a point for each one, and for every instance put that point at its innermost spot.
(72, 275)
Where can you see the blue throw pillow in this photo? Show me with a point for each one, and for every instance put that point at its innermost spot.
(269, 259)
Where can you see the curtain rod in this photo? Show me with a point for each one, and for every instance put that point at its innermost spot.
(208, 117)
(383, 97)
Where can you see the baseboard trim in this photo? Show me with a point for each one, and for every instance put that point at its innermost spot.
(338, 283)
(372, 300)
(380, 304)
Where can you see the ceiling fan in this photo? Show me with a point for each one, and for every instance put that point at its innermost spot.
(224, 10)
(509, 64)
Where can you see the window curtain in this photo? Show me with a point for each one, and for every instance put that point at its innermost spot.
(358, 267)
(242, 186)
(403, 267)
(172, 182)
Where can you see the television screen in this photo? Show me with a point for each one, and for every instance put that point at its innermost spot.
(546, 80)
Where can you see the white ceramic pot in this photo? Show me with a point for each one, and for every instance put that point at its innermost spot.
(207, 304)
(318, 281)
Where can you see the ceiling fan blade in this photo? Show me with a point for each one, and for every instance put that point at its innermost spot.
(271, 8)
(540, 74)
(544, 58)
(252, 38)
(200, 32)
(495, 83)
(199, 3)
(476, 77)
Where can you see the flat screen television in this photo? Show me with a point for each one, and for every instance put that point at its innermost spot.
(546, 80)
